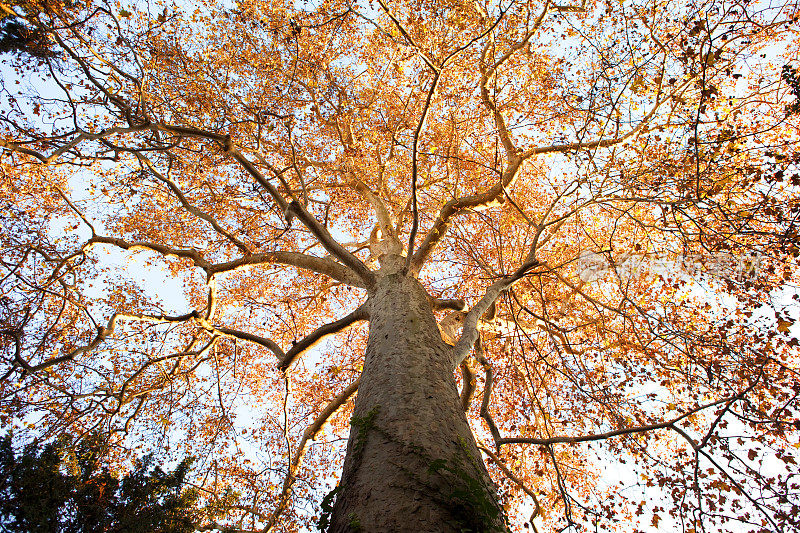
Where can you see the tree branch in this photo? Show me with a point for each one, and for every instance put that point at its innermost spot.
(381, 211)
(487, 392)
(415, 166)
(79, 138)
(313, 338)
(455, 304)
(163, 249)
(738, 486)
(470, 332)
(668, 424)
(308, 435)
(286, 359)
(537, 509)
(251, 337)
(320, 265)
(642, 127)
(468, 384)
(475, 202)
(191, 208)
(486, 74)
(102, 334)
(330, 244)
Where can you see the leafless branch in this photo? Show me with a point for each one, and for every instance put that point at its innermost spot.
(667, 424)
(308, 435)
(537, 509)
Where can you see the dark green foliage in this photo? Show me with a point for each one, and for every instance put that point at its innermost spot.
(18, 37)
(32, 489)
(20, 31)
(55, 490)
(363, 426)
(790, 76)
(327, 509)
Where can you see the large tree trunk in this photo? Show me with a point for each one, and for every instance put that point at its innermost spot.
(412, 463)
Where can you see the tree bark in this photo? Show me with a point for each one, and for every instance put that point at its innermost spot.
(412, 463)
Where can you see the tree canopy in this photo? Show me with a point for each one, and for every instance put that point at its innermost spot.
(600, 198)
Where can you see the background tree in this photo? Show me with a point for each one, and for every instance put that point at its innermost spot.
(51, 489)
(19, 32)
(597, 203)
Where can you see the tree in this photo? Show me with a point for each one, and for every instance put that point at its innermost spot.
(19, 32)
(48, 489)
(558, 237)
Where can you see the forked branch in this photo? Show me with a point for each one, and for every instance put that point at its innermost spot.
(286, 359)
(470, 332)
(299, 260)
(458, 206)
(330, 244)
(290, 210)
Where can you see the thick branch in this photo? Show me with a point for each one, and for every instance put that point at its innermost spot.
(286, 359)
(381, 211)
(455, 304)
(320, 265)
(313, 338)
(458, 206)
(251, 337)
(188, 253)
(470, 332)
(468, 384)
(487, 392)
(330, 244)
(415, 164)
